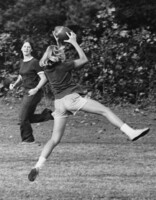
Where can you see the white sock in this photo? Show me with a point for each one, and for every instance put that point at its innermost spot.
(40, 162)
(127, 130)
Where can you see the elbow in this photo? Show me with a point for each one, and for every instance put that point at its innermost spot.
(85, 60)
(81, 62)
(45, 79)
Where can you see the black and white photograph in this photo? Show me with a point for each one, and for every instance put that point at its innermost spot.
(77, 100)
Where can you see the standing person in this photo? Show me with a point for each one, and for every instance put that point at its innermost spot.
(68, 101)
(33, 78)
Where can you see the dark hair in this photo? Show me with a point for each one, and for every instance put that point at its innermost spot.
(29, 41)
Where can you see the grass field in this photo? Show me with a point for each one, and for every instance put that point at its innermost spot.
(94, 161)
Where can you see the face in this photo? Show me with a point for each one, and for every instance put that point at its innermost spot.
(26, 49)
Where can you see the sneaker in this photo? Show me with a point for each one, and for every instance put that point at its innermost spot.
(139, 133)
(33, 174)
(31, 143)
(24, 142)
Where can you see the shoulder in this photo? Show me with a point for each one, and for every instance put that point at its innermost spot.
(35, 60)
(68, 65)
(36, 66)
(35, 63)
(69, 62)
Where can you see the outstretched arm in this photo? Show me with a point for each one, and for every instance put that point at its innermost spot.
(82, 56)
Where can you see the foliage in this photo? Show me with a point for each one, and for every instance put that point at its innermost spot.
(40, 16)
(118, 38)
(136, 13)
(122, 61)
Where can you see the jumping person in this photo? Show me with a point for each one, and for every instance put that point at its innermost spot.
(33, 78)
(68, 100)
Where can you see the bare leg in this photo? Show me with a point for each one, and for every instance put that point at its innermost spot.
(59, 127)
(95, 107)
(58, 130)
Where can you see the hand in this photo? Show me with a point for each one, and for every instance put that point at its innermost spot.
(32, 91)
(72, 37)
(11, 86)
(55, 38)
(59, 44)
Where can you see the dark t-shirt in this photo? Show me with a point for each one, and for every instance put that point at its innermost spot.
(29, 71)
(60, 78)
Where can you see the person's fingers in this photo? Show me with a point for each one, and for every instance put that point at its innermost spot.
(71, 34)
(68, 34)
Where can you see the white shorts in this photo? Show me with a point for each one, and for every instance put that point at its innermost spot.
(68, 105)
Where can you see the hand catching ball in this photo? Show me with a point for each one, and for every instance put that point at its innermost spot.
(60, 33)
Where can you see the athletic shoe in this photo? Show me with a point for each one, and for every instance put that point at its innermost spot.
(139, 133)
(26, 142)
(33, 174)
(31, 143)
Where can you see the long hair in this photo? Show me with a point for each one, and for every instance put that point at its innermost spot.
(54, 54)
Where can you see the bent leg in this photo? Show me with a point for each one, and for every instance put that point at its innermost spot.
(45, 115)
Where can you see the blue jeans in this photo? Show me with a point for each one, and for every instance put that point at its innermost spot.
(27, 115)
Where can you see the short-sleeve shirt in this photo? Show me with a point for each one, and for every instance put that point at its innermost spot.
(29, 71)
(60, 78)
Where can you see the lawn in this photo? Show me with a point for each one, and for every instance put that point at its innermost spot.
(94, 160)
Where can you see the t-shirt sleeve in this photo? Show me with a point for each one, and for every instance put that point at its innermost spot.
(69, 65)
(37, 67)
(19, 65)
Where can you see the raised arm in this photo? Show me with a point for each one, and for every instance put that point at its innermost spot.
(82, 56)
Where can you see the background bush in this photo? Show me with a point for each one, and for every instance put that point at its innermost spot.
(117, 36)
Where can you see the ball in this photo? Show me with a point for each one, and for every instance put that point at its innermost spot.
(60, 33)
